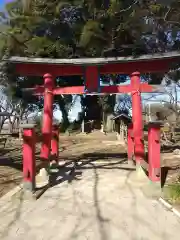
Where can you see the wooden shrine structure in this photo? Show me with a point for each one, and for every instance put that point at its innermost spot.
(121, 123)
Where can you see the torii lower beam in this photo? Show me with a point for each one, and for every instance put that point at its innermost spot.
(144, 87)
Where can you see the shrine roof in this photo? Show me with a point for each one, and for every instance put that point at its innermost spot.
(95, 61)
(122, 116)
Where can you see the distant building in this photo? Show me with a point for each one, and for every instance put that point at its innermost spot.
(158, 111)
(121, 122)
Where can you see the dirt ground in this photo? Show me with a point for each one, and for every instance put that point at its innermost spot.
(95, 146)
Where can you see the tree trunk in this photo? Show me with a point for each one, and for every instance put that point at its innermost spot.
(109, 123)
(2, 121)
(10, 127)
(65, 119)
(176, 102)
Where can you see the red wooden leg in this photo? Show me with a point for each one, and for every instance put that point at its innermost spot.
(47, 116)
(29, 165)
(130, 143)
(55, 142)
(154, 148)
(137, 118)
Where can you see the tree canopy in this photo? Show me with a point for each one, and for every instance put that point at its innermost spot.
(83, 28)
(66, 29)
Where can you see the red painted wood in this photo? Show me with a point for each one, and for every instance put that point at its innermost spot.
(69, 90)
(130, 143)
(91, 79)
(55, 142)
(26, 69)
(159, 65)
(47, 116)
(144, 87)
(29, 169)
(137, 118)
(154, 152)
(39, 90)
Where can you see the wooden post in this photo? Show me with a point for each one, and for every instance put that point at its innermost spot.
(91, 78)
(55, 142)
(29, 165)
(154, 148)
(47, 117)
(137, 118)
(123, 130)
(130, 144)
(82, 126)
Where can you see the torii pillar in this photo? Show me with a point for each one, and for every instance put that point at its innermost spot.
(139, 151)
(47, 118)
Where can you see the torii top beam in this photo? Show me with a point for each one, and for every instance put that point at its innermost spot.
(120, 65)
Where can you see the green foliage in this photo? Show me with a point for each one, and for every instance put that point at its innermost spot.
(95, 27)
(81, 28)
(173, 192)
(3, 38)
(91, 32)
(155, 8)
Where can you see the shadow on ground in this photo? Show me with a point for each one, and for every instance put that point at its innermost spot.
(73, 171)
(169, 148)
(74, 167)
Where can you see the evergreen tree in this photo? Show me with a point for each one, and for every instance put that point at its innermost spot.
(82, 28)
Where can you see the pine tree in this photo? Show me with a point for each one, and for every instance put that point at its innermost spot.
(82, 28)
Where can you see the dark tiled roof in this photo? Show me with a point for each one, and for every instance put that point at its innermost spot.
(122, 115)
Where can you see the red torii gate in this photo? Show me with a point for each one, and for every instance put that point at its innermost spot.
(91, 68)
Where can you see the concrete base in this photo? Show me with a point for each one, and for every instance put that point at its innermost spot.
(28, 191)
(140, 173)
(27, 195)
(42, 179)
(61, 163)
(152, 189)
(139, 179)
(131, 162)
(28, 186)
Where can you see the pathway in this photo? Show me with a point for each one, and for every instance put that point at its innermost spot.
(103, 205)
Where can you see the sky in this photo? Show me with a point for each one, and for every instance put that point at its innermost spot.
(147, 98)
(3, 2)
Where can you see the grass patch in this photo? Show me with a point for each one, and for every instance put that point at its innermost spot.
(172, 192)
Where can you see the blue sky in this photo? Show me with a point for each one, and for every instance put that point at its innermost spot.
(2, 3)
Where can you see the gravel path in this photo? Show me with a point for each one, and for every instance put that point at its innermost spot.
(103, 205)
